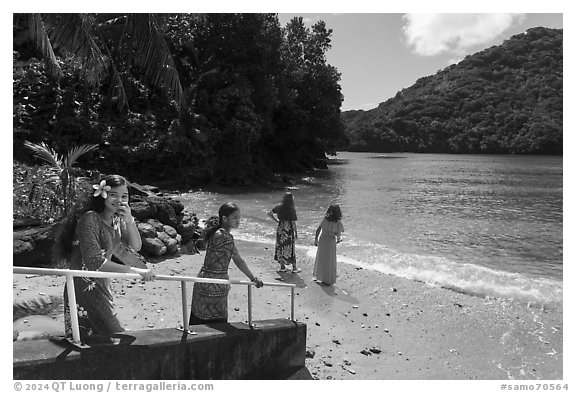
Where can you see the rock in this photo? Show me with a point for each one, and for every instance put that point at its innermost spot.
(327, 364)
(164, 237)
(176, 205)
(165, 212)
(20, 246)
(170, 231)
(172, 246)
(129, 257)
(393, 289)
(189, 247)
(143, 210)
(310, 354)
(337, 342)
(136, 189)
(187, 230)
(26, 222)
(32, 247)
(146, 230)
(156, 224)
(365, 352)
(154, 246)
(375, 350)
(365, 314)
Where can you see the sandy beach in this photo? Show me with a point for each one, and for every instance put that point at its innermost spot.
(367, 326)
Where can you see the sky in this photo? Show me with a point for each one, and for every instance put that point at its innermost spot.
(379, 54)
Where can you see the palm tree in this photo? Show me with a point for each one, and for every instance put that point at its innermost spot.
(106, 46)
(63, 166)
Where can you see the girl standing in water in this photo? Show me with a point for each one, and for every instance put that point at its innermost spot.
(331, 228)
(209, 300)
(286, 233)
(86, 240)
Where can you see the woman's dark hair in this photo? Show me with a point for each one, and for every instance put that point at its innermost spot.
(215, 222)
(287, 208)
(333, 213)
(64, 235)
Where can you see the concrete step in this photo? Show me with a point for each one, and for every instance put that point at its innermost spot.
(301, 374)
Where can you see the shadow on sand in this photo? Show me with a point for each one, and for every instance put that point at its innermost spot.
(337, 292)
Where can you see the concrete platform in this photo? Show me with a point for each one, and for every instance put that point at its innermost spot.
(273, 349)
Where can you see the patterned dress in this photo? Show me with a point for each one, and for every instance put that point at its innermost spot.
(210, 301)
(285, 252)
(325, 263)
(95, 241)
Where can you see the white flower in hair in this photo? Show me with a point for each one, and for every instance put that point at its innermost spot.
(101, 189)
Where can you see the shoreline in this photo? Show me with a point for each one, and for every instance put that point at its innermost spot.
(369, 325)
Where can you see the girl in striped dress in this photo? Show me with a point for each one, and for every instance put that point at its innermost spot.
(210, 300)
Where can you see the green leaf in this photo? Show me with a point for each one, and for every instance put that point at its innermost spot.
(45, 153)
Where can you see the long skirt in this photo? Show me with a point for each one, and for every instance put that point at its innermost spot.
(325, 264)
(285, 251)
(209, 303)
(94, 307)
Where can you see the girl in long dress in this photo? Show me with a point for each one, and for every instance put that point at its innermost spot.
(330, 232)
(286, 233)
(210, 300)
(86, 240)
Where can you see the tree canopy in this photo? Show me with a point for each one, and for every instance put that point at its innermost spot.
(228, 98)
(506, 99)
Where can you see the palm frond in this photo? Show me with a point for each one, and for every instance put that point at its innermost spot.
(75, 153)
(72, 34)
(117, 87)
(153, 56)
(40, 37)
(45, 153)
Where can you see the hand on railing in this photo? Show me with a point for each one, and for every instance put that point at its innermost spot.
(147, 274)
(257, 281)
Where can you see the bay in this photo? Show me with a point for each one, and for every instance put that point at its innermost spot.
(487, 225)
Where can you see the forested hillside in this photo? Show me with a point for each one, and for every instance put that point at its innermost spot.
(222, 98)
(506, 99)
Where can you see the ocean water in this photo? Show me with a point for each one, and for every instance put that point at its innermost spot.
(487, 225)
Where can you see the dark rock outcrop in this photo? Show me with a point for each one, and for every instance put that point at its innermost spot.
(32, 246)
(163, 224)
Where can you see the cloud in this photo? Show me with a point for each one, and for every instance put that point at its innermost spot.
(311, 21)
(455, 34)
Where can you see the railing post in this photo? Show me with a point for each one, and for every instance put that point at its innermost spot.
(184, 306)
(292, 303)
(249, 304)
(73, 310)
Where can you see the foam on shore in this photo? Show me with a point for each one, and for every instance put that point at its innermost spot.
(437, 271)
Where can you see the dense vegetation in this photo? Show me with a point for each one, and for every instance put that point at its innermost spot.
(248, 98)
(506, 99)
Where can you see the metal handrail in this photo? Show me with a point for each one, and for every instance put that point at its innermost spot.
(70, 274)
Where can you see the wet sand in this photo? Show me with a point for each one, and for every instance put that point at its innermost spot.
(368, 326)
